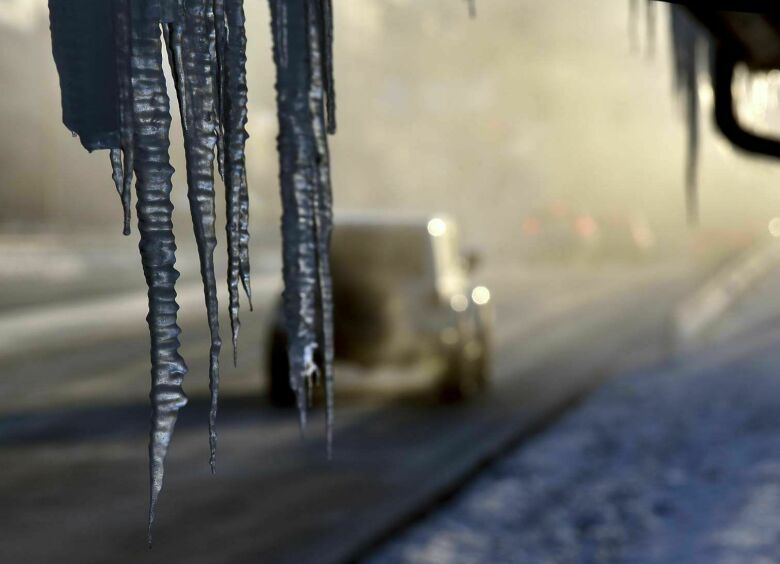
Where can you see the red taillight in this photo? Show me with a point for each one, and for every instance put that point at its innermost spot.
(585, 226)
(532, 226)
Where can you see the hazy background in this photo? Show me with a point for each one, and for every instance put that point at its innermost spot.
(533, 104)
(487, 119)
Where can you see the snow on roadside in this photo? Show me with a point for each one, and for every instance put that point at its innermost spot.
(680, 464)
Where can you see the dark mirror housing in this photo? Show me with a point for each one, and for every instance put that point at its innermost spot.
(725, 110)
(744, 33)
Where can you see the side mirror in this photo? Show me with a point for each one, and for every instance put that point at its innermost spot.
(725, 110)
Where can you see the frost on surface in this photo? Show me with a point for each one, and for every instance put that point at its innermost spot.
(119, 101)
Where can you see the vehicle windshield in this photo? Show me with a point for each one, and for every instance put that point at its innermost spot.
(389, 253)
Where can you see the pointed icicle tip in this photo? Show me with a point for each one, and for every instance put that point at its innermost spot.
(117, 170)
(157, 245)
(192, 48)
(302, 32)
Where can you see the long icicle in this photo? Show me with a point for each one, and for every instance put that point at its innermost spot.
(325, 32)
(685, 43)
(651, 25)
(234, 122)
(117, 169)
(633, 24)
(193, 46)
(317, 16)
(125, 156)
(298, 184)
(472, 6)
(244, 237)
(152, 121)
(236, 100)
(220, 33)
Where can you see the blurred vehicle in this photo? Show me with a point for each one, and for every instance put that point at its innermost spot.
(403, 297)
(623, 237)
(558, 232)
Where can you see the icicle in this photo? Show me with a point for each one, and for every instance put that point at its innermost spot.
(127, 188)
(122, 38)
(193, 66)
(234, 118)
(686, 38)
(633, 24)
(298, 182)
(123, 156)
(220, 33)
(651, 27)
(302, 32)
(323, 215)
(244, 261)
(117, 171)
(472, 6)
(153, 170)
(326, 34)
(174, 38)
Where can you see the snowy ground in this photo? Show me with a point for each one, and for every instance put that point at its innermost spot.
(675, 464)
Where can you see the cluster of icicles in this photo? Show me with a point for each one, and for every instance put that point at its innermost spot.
(205, 42)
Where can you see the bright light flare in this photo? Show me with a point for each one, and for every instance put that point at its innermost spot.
(437, 227)
(480, 295)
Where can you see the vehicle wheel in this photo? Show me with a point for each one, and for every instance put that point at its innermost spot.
(279, 392)
(467, 374)
(485, 364)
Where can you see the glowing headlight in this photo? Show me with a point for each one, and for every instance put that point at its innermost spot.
(437, 227)
(774, 227)
(480, 295)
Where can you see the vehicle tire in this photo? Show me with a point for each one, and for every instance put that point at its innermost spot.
(485, 365)
(279, 392)
(465, 377)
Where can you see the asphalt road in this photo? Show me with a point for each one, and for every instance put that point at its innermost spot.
(672, 463)
(73, 431)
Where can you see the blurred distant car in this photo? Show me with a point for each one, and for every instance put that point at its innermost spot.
(624, 237)
(403, 296)
(558, 232)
